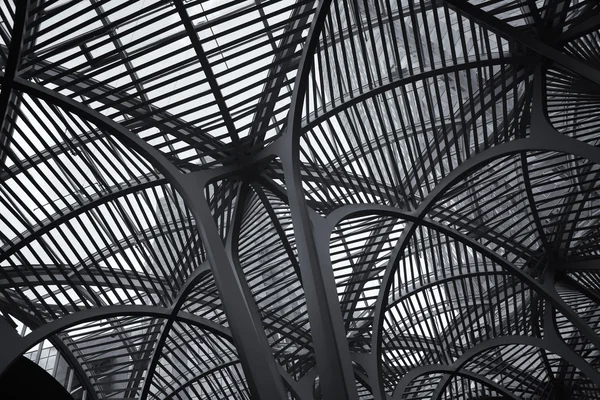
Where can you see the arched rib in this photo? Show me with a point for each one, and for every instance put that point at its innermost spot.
(76, 209)
(415, 373)
(475, 13)
(198, 377)
(330, 344)
(359, 96)
(8, 355)
(259, 365)
(130, 105)
(560, 349)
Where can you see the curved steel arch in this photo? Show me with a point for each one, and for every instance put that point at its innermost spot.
(199, 377)
(330, 345)
(415, 373)
(264, 378)
(11, 352)
(531, 42)
(372, 92)
(559, 349)
(429, 35)
(417, 217)
(71, 212)
(7, 335)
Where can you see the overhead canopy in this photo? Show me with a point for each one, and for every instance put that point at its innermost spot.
(299, 199)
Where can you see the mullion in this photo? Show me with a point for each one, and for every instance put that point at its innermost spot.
(361, 172)
(146, 240)
(92, 224)
(63, 169)
(149, 212)
(328, 160)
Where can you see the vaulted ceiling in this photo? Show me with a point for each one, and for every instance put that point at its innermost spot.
(366, 199)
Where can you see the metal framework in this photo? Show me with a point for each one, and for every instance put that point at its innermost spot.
(365, 199)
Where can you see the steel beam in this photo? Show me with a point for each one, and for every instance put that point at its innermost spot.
(277, 74)
(590, 264)
(8, 99)
(504, 29)
(559, 143)
(361, 96)
(128, 104)
(63, 350)
(164, 333)
(334, 363)
(176, 305)
(310, 287)
(52, 274)
(11, 351)
(415, 373)
(457, 367)
(557, 347)
(207, 69)
(240, 308)
(259, 366)
(203, 374)
(67, 213)
(576, 31)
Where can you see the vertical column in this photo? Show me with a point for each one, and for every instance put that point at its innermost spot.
(242, 314)
(336, 373)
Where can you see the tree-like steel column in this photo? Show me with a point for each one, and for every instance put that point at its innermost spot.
(241, 310)
(336, 376)
(560, 143)
(259, 365)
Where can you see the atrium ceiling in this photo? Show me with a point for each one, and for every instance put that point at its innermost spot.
(365, 199)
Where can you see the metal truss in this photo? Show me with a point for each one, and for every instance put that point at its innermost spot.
(303, 200)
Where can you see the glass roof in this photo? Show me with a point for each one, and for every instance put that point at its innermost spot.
(296, 199)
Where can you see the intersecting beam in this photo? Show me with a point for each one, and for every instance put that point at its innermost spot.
(7, 97)
(164, 333)
(457, 367)
(277, 75)
(359, 96)
(425, 344)
(47, 154)
(557, 347)
(52, 274)
(529, 193)
(591, 264)
(198, 377)
(278, 228)
(14, 348)
(207, 69)
(576, 31)
(312, 173)
(365, 272)
(124, 57)
(327, 330)
(263, 376)
(125, 103)
(332, 354)
(412, 181)
(414, 373)
(477, 14)
(63, 349)
(238, 304)
(558, 143)
(66, 214)
(481, 103)
(188, 285)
